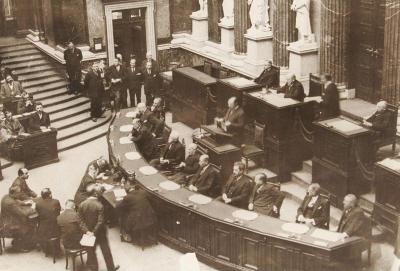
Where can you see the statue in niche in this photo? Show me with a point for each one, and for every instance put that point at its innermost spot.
(203, 11)
(259, 16)
(303, 24)
(227, 9)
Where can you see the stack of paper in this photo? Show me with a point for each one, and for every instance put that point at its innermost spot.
(119, 193)
(148, 170)
(125, 140)
(199, 199)
(344, 126)
(170, 186)
(393, 164)
(131, 114)
(133, 155)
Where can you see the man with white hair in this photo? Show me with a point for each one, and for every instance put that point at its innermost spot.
(380, 120)
(269, 77)
(149, 119)
(353, 221)
(154, 64)
(293, 89)
(143, 138)
(187, 167)
(172, 154)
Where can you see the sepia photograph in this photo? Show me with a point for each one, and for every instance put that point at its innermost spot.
(199, 135)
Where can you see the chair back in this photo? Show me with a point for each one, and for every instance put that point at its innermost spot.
(316, 87)
(327, 197)
(207, 67)
(278, 76)
(392, 130)
(259, 130)
(217, 188)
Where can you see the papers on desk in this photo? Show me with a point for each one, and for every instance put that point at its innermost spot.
(133, 155)
(295, 228)
(170, 186)
(275, 99)
(393, 164)
(200, 199)
(148, 170)
(318, 99)
(327, 235)
(244, 215)
(131, 114)
(119, 193)
(240, 82)
(125, 140)
(344, 126)
(46, 130)
(107, 186)
(126, 128)
(88, 240)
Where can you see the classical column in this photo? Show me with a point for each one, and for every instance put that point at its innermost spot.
(214, 15)
(391, 60)
(335, 38)
(241, 25)
(284, 30)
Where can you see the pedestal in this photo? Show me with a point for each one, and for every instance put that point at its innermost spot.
(259, 47)
(303, 58)
(227, 37)
(199, 27)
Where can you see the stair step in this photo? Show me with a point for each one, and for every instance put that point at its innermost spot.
(31, 64)
(22, 59)
(12, 42)
(82, 138)
(30, 70)
(35, 90)
(302, 177)
(14, 54)
(5, 163)
(37, 75)
(307, 166)
(60, 99)
(70, 104)
(42, 81)
(50, 94)
(71, 121)
(68, 113)
(18, 47)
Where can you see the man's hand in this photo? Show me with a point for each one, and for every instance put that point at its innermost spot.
(224, 197)
(275, 209)
(251, 206)
(228, 200)
(192, 188)
(182, 164)
(227, 123)
(301, 218)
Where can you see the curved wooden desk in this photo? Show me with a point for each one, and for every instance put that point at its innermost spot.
(208, 229)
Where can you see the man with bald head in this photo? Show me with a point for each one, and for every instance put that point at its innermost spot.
(269, 77)
(234, 120)
(353, 221)
(380, 120)
(293, 89)
(205, 181)
(187, 167)
(172, 154)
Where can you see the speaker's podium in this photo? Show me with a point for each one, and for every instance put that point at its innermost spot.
(342, 150)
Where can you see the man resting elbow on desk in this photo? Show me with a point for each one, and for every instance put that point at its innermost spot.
(293, 89)
(172, 154)
(233, 121)
(39, 121)
(380, 120)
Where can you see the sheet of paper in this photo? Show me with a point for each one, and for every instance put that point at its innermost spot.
(393, 164)
(344, 126)
(119, 193)
(170, 186)
(107, 186)
(295, 228)
(326, 235)
(148, 170)
(88, 240)
(245, 215)
(199, 199)
(133, 155)
(240, 82)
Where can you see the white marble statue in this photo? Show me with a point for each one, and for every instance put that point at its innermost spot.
(227, 9)
(259, 16)
(303, 24)
(203, 11)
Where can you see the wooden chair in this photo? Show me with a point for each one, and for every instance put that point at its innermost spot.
(316, 87)
(54, 245)
(255, 150)
(328, 215)
(389, 137)
(73, 253)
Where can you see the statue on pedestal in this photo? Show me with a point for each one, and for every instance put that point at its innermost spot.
(259, 16)
(203, 11)
(303, 24)
(227, 8)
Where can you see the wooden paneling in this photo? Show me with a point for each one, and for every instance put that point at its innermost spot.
(223, 245)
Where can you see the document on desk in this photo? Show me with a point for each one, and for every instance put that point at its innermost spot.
(344, 126)
(393, 164)
(275, 99)
(119, 193)
(107, 186)
(327, 235)
(88, 240)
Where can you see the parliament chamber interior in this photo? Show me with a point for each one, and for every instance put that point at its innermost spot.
(194, 135)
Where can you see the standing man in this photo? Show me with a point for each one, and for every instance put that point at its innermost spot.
(73, 58)
(154, 64)
(151, 83)
(91, 215)
(25, 192)
(116, 77)
(133, 81)
(94, 87)
(39, 121)
(330, 107)
(234, 120)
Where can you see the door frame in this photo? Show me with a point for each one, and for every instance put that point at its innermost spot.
(149, 23)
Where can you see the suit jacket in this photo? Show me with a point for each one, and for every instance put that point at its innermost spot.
(295, 91)
(265, 198)
(238, 190)
(191, 164)
(154, 66)
(354, 223)
(14, 126)
(35, 122)
(380, 121)
(152, 123)
(144, 141)
(69, 224)
(319, 212)
(236, 118)
(48, 210)
(7, 92)
(73, 60)
(26, 192)
(113, 73)
(94, 84)
(13, 218)
(151, 82)
(268, 78)
(133, 79)
(91, 216)
(207, 182)
(330, 102)
(81, 193)
(174, 152)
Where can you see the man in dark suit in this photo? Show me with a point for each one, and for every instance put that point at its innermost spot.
(172, 154)
(353, 221)
(154, 64)
(92, 222)
(330, 107)
(89, 178)
(380, 120)
(266, 198)
(116, 77)
(314, 209)
(293, 89)
(94, 87)
(20, 181)
(133, 81)
(12, 124)
(73, 58)
(187, 167)
(234, 120)
(39, 120)
(10, 88)
(238, 188)
(151, 83)
(158, 108)
(68, 222)
(144, 139)
(48, 209)
(149, 119)
(205, 181)
(269, 77)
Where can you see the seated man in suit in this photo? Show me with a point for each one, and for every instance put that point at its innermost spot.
(68, 222)
(188, 167)
(233, 120)
(10, 88)
(353, 221)
(205, 181)
(266, 198)
(13, 125)
(330, 107)
(238, 188)
(149, 119)
(144, 140)
(27, 104)
(380, 120)
(293, 89)
(172, 155)
(25, 192)
(158, 109)
(89, 178)
(314, 208)
(269, 77)
(39, 121)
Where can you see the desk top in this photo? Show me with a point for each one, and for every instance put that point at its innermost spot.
(196, 75)
(239, 82)
(275, 100)
(215, 210)
(215, 130)
(342, 126)
(393, 164)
